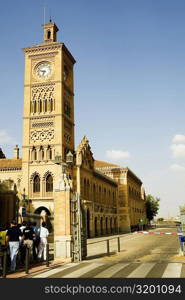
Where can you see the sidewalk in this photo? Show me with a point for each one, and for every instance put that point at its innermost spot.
(34, 270)
(39, 269)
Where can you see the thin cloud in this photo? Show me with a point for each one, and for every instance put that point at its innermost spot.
(179, 138)
(177, 168)
(117, 155)
(5, 138)
(178, 151)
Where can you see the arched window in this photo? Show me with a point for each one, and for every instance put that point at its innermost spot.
(94, 192)
(41, 153)
(34, 106)
(36, 184)
(88, 189)
(45, 105)
(49, 34)
(49, 183)
(49, 153)
(51, 104)
(34, 154)
(99, 194)
(40, 106)
(85, 188)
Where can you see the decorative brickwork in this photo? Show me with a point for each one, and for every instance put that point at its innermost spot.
(42, 135)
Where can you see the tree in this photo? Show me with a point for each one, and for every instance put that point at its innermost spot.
(160, 219)
(152, 206)
(3, 187)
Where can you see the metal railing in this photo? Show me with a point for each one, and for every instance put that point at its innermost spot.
(28, 264)
(107, 242)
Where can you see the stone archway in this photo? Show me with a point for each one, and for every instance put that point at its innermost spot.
(101, 225)
(39, 210)
(96, 226)
(106, 225)
(44, 214)
(111, 227)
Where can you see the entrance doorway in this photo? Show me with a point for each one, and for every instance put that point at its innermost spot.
(101, 225)
(95, 226)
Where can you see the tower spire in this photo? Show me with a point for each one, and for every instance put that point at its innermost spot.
(50, 32)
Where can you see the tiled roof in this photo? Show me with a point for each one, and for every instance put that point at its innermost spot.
(10, 163)
(105, 177)
(102, 164)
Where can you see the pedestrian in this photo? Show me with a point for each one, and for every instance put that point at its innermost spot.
(36, 240)
(12, 238)
(28, 235)
(23, 226)
(22, 248)
(43, 241)
(3, 246)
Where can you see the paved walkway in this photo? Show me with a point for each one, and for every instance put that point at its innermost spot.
(34, 270)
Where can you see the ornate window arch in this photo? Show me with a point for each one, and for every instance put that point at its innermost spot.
(34, 153)
(49, 183)
(48, 34)
(49, 153)
(94, 192)
(41, 153)
(36, 184)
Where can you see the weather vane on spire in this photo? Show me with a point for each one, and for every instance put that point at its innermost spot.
(50, 20)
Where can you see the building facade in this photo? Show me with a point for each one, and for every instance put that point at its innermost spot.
(111, 195)
(131, 195)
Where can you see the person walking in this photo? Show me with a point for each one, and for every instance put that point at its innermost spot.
(23, 226)
(21, 247)
(12, 239)
(2, 244)
(43, 241)
(36, 240)
(28, 235)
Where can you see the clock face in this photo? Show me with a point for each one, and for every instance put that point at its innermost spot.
(43, 70)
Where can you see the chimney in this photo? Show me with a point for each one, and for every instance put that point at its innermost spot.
(16, 152)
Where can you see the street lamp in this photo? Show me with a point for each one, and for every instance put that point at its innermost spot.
(25, 201)
(65, 165)
(69, 158)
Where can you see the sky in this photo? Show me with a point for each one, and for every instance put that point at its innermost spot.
(129, 82)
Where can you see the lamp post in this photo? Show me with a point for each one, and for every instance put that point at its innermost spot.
(25, 203)
(17, 209)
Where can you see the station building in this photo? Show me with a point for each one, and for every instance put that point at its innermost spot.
(112, 196)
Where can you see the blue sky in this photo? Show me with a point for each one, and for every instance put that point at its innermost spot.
(129, 82)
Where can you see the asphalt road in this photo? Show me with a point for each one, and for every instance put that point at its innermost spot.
(141, 256)
(140, 247)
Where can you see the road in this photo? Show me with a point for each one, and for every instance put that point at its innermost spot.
(141, 256)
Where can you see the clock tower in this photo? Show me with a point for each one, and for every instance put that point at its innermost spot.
(48, 119)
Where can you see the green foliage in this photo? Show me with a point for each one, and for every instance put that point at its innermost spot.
(152, 206)
(4, 187)
(160, 219)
